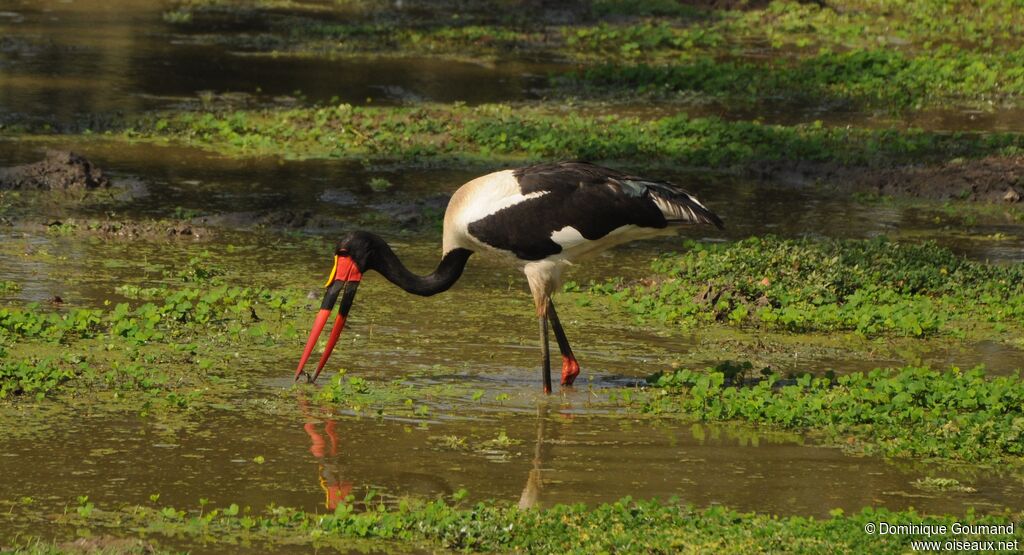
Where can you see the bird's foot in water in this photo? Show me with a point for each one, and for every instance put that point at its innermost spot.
(570, 369)
(307, 375)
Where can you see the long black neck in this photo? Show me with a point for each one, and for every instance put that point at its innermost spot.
(447, 272)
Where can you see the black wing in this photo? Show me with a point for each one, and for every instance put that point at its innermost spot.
(592, 199)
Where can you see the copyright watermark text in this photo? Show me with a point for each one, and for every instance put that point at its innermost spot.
(973, 539)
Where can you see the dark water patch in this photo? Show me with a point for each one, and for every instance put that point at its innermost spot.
(72, 64)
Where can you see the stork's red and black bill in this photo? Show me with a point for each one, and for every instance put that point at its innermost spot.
(343, 281)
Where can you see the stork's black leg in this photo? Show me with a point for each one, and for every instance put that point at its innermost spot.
(570, 368)
(545, 353)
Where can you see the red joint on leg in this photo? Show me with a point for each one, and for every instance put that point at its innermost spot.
(570, 369)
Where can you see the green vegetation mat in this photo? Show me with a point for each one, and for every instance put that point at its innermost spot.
(518, 132)
(858, 79)
(888, 55)
(872, 287)
(168, 353)
(907, 412)
(626, 526)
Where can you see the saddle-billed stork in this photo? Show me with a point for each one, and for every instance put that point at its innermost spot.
(542, 218)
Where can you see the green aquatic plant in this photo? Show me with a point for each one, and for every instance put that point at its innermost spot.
(53, 326)
(149, 348)
(379, 184)
(889, 55)
(188, 311)
(430, 132)
(910, 411)
(387, 398)
(943, 484)
(871, 286)
(177, 17)
(625, 526)
(632, 41)
(33, 377)
(200, 270)
(8, 287)
(873, 78)
(80, 374)
(785, 28)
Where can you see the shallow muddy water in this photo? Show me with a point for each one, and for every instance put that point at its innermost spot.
(312, 459)
(72, 62)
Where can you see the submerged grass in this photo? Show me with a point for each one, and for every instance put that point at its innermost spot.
(626, 526)
(872, 287)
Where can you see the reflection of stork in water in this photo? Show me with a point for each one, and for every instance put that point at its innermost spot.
(531, 493)
(335, 489)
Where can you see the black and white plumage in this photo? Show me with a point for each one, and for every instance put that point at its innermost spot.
(548, 210)
(543, 218)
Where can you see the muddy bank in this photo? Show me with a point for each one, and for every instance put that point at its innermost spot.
(404, 214)
(61, 170)
(415, 213)
(273, 219)
(150, 230)
(992, 179)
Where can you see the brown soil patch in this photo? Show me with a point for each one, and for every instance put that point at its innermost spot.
(414, 213)
(279, 219)
(992, 179)
(120, 229)
(61, 170)
(730, 4)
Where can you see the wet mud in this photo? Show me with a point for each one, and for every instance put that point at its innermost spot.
(60, 170)
(131, 230)
(991, 180)
(415, 213)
